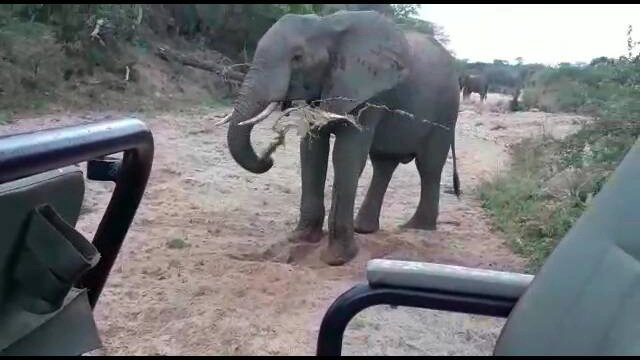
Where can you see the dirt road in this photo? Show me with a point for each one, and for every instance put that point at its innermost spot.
(206, 269)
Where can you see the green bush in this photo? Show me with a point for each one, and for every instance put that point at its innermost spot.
(581, 89)
(520, 208)
(72, 21)
(519, 201)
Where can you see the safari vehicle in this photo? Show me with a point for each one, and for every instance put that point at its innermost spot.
(51, 276)
(585, 300)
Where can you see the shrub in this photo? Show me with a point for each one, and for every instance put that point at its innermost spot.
(551, 182)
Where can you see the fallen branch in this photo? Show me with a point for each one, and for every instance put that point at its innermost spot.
(127, 73)
(226, 72)
(95, 34)
(139, 21)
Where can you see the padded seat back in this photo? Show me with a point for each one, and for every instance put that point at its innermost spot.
(41, 257)
(586, 298)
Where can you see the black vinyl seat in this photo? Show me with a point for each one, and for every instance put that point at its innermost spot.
(41, 255)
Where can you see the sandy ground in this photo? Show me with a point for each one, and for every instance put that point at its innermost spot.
(237, 287)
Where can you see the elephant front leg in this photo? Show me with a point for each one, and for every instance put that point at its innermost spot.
(314, 156)
(349, 157)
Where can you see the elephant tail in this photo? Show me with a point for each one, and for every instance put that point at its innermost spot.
(456, 179)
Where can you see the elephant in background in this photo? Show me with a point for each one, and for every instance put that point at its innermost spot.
(352, 57)
(474, 84)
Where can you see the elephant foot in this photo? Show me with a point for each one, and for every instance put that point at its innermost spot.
(366, 226)
(339, 253)
(419, 225)
(311, 236)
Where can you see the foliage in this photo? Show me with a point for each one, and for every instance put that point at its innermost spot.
(403, 12)
(582, 89)
(47, 47)
(233, 28)
(404, 16)
(236, 28)
(520, 202)
(74, 21)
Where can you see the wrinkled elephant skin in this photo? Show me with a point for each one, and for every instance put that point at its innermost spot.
(360, 56)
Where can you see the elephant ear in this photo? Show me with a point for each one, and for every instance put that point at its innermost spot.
(369, 56)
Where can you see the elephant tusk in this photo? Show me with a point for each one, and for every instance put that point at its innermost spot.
(224, 120)
(263, 115)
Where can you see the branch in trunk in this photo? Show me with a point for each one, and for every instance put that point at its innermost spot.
(312, 118)
(316, 117)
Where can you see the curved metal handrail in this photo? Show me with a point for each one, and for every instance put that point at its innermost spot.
(27, 154)
(363, 296)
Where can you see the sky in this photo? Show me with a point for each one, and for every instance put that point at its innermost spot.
(539, 33)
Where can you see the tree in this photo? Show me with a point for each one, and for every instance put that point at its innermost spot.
(403, 12)
(630, 43)
(602, 60)
(631, 46)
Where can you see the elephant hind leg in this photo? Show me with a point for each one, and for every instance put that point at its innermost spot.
(430, 163)
(467, 94)
(368, 219)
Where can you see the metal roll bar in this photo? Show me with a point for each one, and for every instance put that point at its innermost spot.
(31, 153)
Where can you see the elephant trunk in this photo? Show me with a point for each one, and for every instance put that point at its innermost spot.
(239, 136)
(264, 86)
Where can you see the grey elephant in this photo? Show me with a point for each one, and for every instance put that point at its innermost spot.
(352, 58)
(470, 84)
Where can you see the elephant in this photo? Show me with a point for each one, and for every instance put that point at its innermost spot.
(513, 104)
(474, 84)
(341, 63)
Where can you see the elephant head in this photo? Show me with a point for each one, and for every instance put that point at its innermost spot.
(351, 55)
